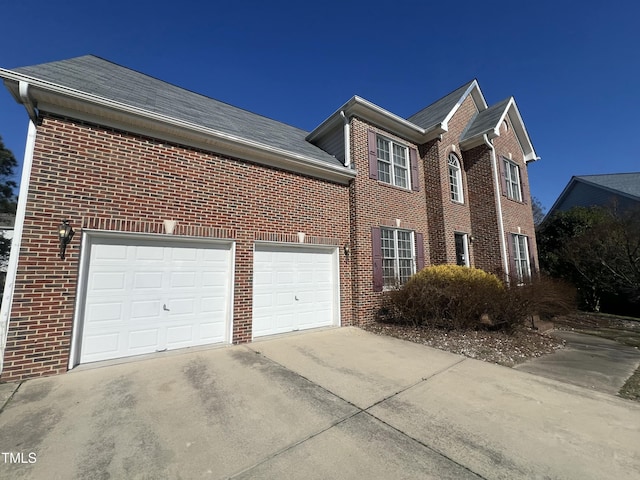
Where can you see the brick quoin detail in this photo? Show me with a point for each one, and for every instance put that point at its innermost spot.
(82, 170)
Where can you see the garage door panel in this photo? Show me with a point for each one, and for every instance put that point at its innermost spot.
(211, 332)
(101, 345)
(147, 281)
(148, 253)
(108, 253)
(181, 306)
(183, 279)
(142, 309)
(165, 294)
(180, 334)
(107, 281)
(104, 312)
(143, 341)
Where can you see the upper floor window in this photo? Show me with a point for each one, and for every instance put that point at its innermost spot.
(512, 180)
(455, 179)
(393, 162)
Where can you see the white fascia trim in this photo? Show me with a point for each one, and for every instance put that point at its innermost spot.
(272, 155)
(520, 130)
(478, 98)
(12, 266)
(371, 112)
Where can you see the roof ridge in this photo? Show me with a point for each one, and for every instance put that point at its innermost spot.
(464, 85)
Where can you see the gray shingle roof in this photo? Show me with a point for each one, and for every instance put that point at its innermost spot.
(94, 75)
(437, 112)
(627, 183)
(485, 121)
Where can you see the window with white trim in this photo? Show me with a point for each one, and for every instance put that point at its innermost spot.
(455, 179)
(393, 162)
(520, 247)
(397, 256)
(512, 180)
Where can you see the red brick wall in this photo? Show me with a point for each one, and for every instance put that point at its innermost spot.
(482, 209)
(375, 204)
(82, 170)
(518, 216)
(446, 216)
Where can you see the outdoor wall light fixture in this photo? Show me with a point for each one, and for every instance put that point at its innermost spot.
(347, 250)
(65, 234)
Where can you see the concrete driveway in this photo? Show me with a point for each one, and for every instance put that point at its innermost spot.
(339, 403)
(587, 361)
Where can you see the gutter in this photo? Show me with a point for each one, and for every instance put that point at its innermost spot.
(25, 98)
(28, 87)
(496, 182)
(359, 107)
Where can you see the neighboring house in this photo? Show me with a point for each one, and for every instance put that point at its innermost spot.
(613, 190)
(6, 232)
(199, 223)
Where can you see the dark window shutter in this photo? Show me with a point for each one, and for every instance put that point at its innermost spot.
(503, 176)
(415, 181)
(532, 263)
(419, 251)
(522, 186)
(512, 256)
(373, 154)
(376, 241)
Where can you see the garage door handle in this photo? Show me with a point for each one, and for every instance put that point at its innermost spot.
(164, 307)
(297, 298)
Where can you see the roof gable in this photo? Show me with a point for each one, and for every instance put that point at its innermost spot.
(440, 112)
(103, 79)
(487, 122)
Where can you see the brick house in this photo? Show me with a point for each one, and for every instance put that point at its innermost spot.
(199, 223)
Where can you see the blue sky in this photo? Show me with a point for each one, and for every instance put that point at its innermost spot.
(573, 70)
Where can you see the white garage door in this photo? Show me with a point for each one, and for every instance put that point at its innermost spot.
(145, 296)
(294, 288)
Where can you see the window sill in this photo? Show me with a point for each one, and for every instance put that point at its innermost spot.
(395, 187)
(515, 201)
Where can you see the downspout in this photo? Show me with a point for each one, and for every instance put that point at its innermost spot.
(26, 100)
(12, 266)
(347, 140)
(496, 182)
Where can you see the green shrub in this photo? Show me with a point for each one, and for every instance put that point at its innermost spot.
(445, 296)
(455, 297)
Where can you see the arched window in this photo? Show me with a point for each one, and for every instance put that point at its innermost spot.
(455, 179)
